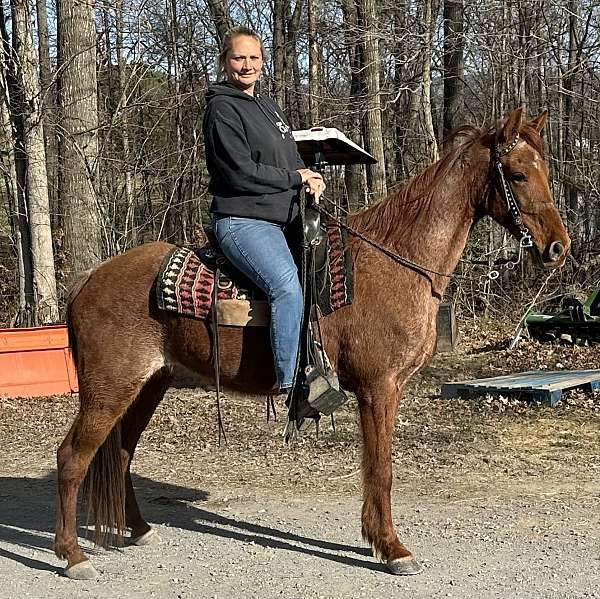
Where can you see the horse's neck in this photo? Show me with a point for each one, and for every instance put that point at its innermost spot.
(431, 226)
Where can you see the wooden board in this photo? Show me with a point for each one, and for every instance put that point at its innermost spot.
(35, 362)
(540, 385)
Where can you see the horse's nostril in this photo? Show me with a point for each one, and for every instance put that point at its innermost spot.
(556, 250)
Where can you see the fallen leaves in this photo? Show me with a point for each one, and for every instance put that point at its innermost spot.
(434, 439)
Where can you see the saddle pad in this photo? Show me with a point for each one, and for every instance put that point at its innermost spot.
(185, 285)
(186, 280)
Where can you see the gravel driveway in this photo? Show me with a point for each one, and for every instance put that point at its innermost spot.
(496, 498)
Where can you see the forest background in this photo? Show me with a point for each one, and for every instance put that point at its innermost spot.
(101, 109)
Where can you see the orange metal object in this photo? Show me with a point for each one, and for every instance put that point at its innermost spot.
(35, 362)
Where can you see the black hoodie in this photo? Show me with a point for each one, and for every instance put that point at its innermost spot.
(251, 156)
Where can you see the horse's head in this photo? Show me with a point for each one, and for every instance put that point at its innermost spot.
(520, 198)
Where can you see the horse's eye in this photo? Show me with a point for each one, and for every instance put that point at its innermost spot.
(519, 177)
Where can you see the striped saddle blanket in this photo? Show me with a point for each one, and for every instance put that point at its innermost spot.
(186, 281)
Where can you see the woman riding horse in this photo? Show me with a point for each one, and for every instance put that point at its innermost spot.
(255, 176)
(125, 348)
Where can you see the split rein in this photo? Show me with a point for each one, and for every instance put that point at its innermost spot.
(506, 190)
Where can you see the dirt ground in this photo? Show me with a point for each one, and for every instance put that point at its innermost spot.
(497, 498)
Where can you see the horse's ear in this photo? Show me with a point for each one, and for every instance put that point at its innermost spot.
(539, 121)
(511, 126)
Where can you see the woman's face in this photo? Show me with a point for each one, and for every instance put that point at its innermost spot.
(243, 63)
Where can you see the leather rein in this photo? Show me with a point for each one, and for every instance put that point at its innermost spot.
(512, 204)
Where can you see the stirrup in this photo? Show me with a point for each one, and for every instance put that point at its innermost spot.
(323, 391)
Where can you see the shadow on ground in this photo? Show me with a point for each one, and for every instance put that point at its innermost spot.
(27, 522)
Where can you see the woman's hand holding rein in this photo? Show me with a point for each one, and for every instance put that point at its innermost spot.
(313, 183)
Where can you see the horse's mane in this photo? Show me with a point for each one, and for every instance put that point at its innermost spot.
(389, 217)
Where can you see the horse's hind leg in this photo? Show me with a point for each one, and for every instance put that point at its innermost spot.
(377, 415)
(94, 437)
(88, 432)
(133, 425)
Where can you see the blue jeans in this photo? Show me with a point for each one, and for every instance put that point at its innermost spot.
(259, 249)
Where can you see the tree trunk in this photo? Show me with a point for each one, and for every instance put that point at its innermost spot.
(504, 75)
(48, 110)
(109, 171)
(175, 215)
(430, 139)
(12, 125)
(372, 133)
(353, 173)
(295, 105)
(313, 64)
(44, 45)
(454, 44)
(279, 74)
(219, 11)
(399, 124)
(130, 232)
(78, 143)
(570, 170)
(36, 180)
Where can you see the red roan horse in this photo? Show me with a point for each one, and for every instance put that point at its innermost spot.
(125, 348)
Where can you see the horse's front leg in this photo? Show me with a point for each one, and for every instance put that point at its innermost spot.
(378, 406)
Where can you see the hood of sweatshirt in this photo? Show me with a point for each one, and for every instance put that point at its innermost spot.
(226, 89)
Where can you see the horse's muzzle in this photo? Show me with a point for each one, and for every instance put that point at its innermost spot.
(555, 254)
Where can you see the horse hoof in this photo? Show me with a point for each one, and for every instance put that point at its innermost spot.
(148, 538)
(404, 566)
(81, 571)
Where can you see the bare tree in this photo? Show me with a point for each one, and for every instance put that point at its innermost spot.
(35, 182)
(221, 17)
(48, 106)
(569, 81)
(372, 133)
(427, 107)
(129, 228)
(353, 176)
(279, 70)
(313, 63)
(453, 64)
(14, 176)
(295, 104)
(78, 144)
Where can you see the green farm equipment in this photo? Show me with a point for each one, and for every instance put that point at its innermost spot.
(577, 323)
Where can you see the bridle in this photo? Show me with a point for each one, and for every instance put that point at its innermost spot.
(506, 192)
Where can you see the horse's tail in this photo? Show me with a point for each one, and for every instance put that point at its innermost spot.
(103, 488)
(104, 491)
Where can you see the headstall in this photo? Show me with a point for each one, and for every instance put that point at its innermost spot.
(507, 191)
